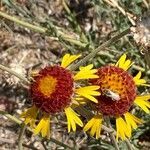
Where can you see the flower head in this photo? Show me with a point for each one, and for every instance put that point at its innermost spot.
(118, 93)
(117, 88)
(54, 89)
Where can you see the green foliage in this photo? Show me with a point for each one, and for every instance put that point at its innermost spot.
(108, 21)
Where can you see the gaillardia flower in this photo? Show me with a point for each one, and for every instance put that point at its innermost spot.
(118, 94)
(54, 89)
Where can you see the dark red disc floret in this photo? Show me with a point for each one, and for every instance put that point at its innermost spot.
(119, 81)
(61, 97)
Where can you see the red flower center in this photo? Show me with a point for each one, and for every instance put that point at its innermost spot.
(117, 88)
(52, 89)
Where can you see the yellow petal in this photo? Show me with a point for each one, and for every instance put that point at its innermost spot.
(68, 59)
(98, 131)
(123, 63)
(143, 97)
(80, 100)
(94, 125)
(88, 92)
(86, 73)
(142, 101)
(30, 116)
(139, 81)
(44, 126)
(121, 60)
(89, 125)
(132, 121)
(123, 131)
(72, 119)
(93, 129)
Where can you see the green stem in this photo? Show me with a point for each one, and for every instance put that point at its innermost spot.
(4, 68)
(39, 29)
(20, 139)
(111, 134)
(29, 147)
(76, 42)
(88, 115)
(22, 131)
(23, 23)
(128, 144)
(13, 118)
(109, 130)
(61, 144)
(44, 146)
(101, 47)
(16, 120)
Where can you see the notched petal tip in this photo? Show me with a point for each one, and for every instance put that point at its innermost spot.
(89, 92)
(43, 126)
(30, 116)
(138, 81)
(86, 73)
(72, 119)
(68, 59)
(124, 63)
(143, 103)
(124, 127)
(94, 125)
(123, 130)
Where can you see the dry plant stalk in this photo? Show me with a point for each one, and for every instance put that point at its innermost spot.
(114, 3)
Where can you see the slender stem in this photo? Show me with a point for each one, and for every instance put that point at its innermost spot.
(101, 47)
(87, 114)
(128, 144)
(20, 139)
(61, 144)
(4, 68)
(140, 69)
(44, 146)
(109, 130)
(68, 38)
(76, 42)
(64, 36)
(29, 146)
(13, 118)
(21, 133)
(23, 23)
(111, 134)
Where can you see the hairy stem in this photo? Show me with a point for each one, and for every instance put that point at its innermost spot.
(88, 115)
(111, 134)
(61, 144)
(12, 118)
(4, 68)
(23, 23)
(20, 139)
(101, 47)
(16, 120)
(52, 29)
(29, 146)
(128, 144)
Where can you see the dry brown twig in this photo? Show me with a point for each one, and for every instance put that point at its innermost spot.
(147, 4)
(114, 3)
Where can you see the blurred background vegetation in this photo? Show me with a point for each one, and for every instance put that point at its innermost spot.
(74, 26)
